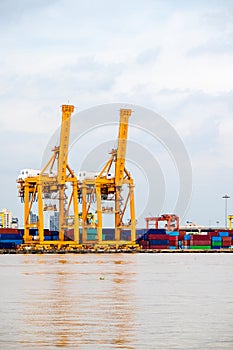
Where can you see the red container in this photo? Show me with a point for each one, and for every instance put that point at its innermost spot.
(154, 236)
(159, 247)
(144, 244)
(9, 230)
(198, 242)
(226, 239)
(226, 242)
(200, 237)
(212, 234)
(173, 239)
(181, 235)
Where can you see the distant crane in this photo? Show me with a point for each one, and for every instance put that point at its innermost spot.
(52, 183)
(173, 222)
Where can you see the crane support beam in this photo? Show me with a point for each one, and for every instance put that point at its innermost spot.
(75, 206)
(40, 213)
(121, 149)
(67, 110)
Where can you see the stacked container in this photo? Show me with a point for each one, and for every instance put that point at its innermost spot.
(202, 242)
(173, 238)
(11, 239)
(158, 239)
(216, 242)
(226, 240)
(186, 241)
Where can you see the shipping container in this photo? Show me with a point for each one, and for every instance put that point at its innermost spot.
(7, 245)
(156, 231)
(173, 240)
(159, 242)
(198, 242)
(200, 237)
(16, 241)
(159, 247)
(227, 239)
(7, 230)
(223, 234)
(187, 237)
(151, 236)
(173, 233)
(181, 235)
(212, 233)
(144, 244)
(11, 236)
(216, 239)
(201, 247)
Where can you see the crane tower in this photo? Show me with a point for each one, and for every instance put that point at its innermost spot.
(51, 184)
(107, 189)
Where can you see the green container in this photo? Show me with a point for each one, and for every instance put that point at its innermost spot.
(200, 247)
(216, 244)
(92, 230)
(91, 237)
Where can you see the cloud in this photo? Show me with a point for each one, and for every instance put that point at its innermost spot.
(172, 57)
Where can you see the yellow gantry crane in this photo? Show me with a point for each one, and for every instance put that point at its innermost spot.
(230, 220)
(107, 188)
(51, 184)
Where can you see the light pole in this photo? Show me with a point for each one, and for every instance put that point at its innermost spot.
(226, 197)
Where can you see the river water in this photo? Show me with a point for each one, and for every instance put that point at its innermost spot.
(116, 301)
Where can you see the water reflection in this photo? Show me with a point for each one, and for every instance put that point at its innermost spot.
(105, 302)
(71, 305)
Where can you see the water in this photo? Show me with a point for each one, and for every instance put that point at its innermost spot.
(116, 301)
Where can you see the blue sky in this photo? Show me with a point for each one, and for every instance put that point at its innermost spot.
(173, 57)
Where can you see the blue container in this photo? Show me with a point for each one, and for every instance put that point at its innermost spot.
(55, 237)
(216, 247)
(159, 242)
(216, 239)
(16, 241)
(7, 245)
(187, 237)
(140, 231)
(172, 247)
(47, 238)
(11, 236)
(145, 237)
(155, 231)
(223, 234)
(173, 233)
(33, 232)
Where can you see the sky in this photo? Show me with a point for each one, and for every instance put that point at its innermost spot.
(172, 57)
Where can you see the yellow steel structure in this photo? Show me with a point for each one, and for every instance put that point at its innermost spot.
(2, 216)
(230, 219)
(52, 183)
(88, 191)
(106, 188)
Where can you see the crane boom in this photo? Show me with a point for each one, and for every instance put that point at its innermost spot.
(67, 110)
(121, 149)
